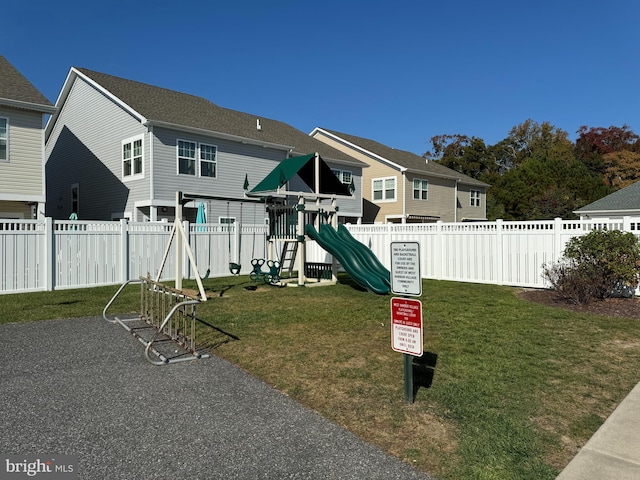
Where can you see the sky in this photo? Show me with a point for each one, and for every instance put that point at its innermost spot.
(398, 72)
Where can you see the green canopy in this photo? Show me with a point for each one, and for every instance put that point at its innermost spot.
(304, 167)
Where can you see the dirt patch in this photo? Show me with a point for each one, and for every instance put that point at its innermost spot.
(610, 307)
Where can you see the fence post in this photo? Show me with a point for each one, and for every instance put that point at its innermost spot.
(499, 252)
(438, 266)
(124, 250)
(47, 250)
(186, 264)
(557, 238)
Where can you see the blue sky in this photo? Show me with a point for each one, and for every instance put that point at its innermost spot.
(398, 72)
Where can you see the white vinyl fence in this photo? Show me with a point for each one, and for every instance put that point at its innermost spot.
(40, 255)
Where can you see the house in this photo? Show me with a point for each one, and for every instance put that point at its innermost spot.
(623, 202)
(118, 148)
(402, 187)
(23, 110)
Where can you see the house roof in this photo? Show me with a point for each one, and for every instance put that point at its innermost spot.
(625, 199)
(403, 159)
(16, 91)
(157, 105)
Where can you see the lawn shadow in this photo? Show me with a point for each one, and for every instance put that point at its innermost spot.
(216, 337)
(424, 368)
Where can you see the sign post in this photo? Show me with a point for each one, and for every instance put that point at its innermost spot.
(406, 313)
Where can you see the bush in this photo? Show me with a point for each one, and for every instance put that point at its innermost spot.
(601, 264)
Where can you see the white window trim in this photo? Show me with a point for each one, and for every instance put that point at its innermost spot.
(384, 199)
(196, 159)
(340, 174)
(413, 189)
(200, 160)
(8, 159)
(477, 198)
(232, 222)
(133, 176)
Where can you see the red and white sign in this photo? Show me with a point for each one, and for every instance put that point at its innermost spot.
(406, 326)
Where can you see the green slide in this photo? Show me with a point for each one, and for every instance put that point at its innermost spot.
(357, 260)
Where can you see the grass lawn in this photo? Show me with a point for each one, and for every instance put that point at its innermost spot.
(518, 387)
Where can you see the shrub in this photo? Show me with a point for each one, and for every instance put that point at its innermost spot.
(599, 265)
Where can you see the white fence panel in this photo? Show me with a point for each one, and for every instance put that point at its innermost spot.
(146, 246)
(22, 255)
(44, 255)
(86, 254)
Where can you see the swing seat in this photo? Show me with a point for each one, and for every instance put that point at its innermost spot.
(234, 268)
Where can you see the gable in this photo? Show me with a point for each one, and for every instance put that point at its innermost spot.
(157, 106)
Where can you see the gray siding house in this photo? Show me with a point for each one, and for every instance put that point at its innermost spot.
(118, 148)
(402, 187)
(623, 202)
(22, 115)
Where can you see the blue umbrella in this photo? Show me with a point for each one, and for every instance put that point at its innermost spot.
(201, 217)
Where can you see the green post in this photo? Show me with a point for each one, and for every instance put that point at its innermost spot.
(408, 378)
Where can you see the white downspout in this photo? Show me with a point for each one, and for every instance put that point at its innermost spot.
(404, 197)
(455, 202)
(153, 210)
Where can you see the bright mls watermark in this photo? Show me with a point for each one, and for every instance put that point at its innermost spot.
(49, 467)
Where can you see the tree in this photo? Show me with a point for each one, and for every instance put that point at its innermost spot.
(595, 143)
(466, 155)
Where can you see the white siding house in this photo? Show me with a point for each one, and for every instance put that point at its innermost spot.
(22, 112)
(121, 149)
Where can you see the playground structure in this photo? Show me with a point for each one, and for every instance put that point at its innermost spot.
(314, 216)
(170, 312)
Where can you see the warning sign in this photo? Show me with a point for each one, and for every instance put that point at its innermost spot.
(405, 269)
(406, 326)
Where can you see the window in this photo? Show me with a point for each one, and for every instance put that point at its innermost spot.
(384, 189)
(132, 157)
(227, 220)
(75, 198)
(207, 160)
(4, 140)
(343, 175)
(186, 157)
(420, 189)
(197, 159)
(475, 198)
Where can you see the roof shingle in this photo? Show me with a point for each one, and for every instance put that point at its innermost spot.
(182, 109)
(14, 86)
(627, 198)
(406, 159)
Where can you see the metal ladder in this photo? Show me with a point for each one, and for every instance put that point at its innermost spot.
(288, 257)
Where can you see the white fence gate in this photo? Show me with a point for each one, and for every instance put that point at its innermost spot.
(39, 255)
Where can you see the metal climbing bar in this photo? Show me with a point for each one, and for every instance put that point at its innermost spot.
(167, 320)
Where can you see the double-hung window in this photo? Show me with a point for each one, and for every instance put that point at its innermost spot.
(420, 189)
(4, 140)
(208, 160)
(343, 175)
(186, 157)
(384, 189)
(475, 198)
(132, 158)
(197, 159)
